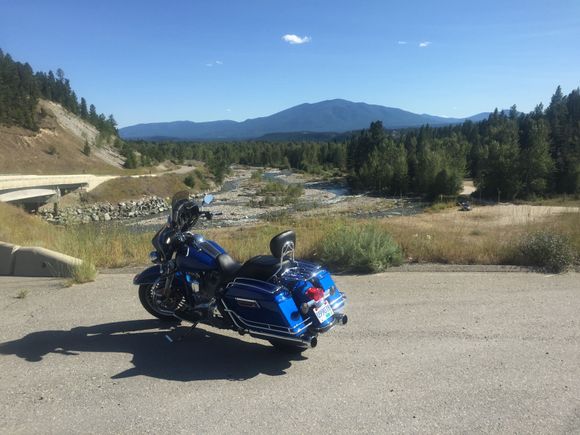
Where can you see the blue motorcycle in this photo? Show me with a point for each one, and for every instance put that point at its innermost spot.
(274, 297)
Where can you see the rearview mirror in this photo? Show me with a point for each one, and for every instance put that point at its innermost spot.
(207, 199)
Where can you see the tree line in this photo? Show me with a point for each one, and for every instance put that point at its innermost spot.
(510, 155)
(21, 88)
(313, 157)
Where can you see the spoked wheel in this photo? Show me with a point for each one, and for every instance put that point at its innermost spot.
(150, 302)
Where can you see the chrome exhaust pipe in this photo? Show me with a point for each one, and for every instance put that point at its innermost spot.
(310, 341)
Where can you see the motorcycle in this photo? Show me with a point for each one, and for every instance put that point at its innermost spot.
(275, 297)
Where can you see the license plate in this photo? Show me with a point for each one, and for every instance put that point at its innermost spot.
(324, 312)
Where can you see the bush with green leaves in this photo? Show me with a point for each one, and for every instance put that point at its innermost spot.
(359, 249)
(548, 251)
(189, 181)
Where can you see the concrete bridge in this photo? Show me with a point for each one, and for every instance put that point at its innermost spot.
(33, 191)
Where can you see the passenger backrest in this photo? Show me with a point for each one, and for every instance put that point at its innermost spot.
(283, 245)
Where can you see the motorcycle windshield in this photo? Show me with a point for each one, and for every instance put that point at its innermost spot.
(179, 196)
(184, 211)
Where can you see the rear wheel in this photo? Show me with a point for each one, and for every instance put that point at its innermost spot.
(147, 299)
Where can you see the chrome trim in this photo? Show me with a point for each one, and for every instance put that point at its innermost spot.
(240, 281)
(338, 303)
(295, 340)
(250, 303)
(249, 324)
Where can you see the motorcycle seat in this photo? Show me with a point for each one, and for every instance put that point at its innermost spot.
(228, 266)
(262, 267)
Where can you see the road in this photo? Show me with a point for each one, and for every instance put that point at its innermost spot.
(423, 352)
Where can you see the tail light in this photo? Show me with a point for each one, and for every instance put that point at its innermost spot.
(315, 293)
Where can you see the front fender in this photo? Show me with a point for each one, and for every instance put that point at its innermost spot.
(148, 276)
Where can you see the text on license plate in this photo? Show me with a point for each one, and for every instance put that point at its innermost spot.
(324, 312)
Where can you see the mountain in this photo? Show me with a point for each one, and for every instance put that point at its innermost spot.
(336, 116)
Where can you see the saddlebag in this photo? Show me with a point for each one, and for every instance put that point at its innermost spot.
(263, 307)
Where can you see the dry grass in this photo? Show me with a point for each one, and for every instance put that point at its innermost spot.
(487, 235)
(108, 247)
(126, 188)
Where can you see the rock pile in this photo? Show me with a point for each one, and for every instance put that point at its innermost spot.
(106, 211)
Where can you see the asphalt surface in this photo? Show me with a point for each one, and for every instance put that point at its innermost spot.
(423, 352)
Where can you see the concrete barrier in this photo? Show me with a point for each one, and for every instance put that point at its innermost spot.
(42, 262)
(7, 258)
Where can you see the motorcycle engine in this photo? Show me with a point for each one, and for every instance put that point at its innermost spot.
(209, 285)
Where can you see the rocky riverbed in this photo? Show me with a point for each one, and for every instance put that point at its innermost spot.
(240, 202)
(236, 200)
(83, 214)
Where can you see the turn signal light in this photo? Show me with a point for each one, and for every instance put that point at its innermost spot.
(315, 293)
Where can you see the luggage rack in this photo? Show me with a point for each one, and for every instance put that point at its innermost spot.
(253, 283)
(302, 269)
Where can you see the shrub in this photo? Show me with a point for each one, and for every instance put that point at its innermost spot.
(365, 249)
(551, 252)
(85, 272)
(257, 175)
(87, 149)
(274, 193)
(189, 181)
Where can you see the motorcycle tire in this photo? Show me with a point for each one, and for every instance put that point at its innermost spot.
(145, 299)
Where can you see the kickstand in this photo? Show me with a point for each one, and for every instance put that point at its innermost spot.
(181, 336)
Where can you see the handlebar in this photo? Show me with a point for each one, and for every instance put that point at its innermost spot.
(209, 215)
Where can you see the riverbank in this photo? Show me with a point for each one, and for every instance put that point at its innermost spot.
(240, 202)
(487, 235)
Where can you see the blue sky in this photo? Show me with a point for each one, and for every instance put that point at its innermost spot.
(148, 61)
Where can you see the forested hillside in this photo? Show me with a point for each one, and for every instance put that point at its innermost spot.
(509, 155)
(21, 88)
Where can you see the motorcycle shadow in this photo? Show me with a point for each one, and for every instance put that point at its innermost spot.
(201, 355)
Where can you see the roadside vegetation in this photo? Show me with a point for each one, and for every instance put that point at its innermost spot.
(359, 249)
(487, 235)
(99, 247)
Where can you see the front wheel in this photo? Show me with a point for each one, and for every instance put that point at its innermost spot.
(147, 299)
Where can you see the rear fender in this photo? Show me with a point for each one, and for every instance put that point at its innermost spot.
(148, 276)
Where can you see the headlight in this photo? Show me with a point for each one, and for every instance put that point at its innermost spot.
(154, 257)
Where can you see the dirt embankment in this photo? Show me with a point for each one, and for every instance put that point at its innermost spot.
(57, 147)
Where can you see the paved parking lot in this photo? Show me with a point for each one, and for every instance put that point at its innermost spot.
(423, 352)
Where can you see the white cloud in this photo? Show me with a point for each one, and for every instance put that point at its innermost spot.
(402, 42)
(424, 44)
(219, 62)
(295, 39)
(209, 64)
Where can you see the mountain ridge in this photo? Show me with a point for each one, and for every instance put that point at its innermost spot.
(328, 116)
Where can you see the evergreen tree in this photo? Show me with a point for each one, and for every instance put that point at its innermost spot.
(84, 113)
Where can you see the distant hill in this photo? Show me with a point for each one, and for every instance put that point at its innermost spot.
(57, 147)
(326, 117)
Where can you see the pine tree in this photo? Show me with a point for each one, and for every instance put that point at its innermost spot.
(84, 113)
